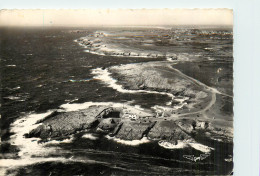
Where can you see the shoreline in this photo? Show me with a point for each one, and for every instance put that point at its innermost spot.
(105, 76)
(178, 113)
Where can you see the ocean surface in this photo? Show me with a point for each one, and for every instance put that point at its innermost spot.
(43, 69)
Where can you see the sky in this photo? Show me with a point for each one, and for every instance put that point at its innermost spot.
(104, 17)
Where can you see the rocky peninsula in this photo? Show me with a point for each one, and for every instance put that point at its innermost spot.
(190, 112)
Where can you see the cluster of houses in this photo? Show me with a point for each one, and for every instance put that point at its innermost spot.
(135, 116)
(127, 113)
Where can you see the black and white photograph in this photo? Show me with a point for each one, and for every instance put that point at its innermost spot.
(116, 92)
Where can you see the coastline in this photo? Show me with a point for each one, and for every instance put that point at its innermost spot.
(75, 83)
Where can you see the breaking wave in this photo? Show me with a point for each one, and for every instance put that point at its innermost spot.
(129, 142)
(105, 76)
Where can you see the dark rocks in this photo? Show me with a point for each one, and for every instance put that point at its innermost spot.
(190, 126)
(108, 112)
(167, 131)
(133, 130)
(42, 131)
(108, 120)
(53, 114)
(186, 125)
(107, 124)
(65, 124)
(202, 125)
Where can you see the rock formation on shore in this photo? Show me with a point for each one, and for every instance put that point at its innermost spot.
(190, 112)
(63, 124)
(102, 119)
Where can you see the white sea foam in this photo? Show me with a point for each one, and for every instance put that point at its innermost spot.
(90, 136)
(60, 141)
(28, 146)
(184, 144)
(158, 108)
(181, 101)
(14, 163)
(171, 58)
(24, 162)
(79, 106)
(129, 142)
(13, 98)
(16, 88)
(30, 150)
(169, 145)
(201, 147)
(105, 76)
(138, 107)
(161, 108)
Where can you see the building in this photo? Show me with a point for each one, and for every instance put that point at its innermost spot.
(130, 116)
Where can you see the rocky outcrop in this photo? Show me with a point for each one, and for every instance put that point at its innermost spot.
(108, 124)
(108, 120)
(167, 131)
(64, 124)
(106, 112)
(189, 125)
(134, 130)
(186, 125)
(187, 95)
